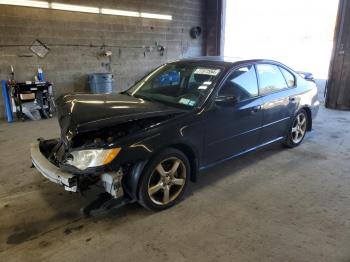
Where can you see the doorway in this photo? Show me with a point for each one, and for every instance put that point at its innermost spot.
(297, 33)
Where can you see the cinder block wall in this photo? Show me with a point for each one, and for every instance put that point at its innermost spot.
(76, 41)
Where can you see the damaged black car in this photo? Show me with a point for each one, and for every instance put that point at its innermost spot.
(146, 144)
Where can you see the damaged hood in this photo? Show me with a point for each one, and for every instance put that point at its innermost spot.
(88, 112)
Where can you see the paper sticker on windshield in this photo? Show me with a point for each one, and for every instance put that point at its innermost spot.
(202, 87)
(187, 102)
(184, 101)
(207, 71)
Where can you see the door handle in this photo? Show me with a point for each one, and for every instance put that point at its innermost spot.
(255, 109)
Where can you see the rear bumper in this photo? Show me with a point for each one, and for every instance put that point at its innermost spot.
(50, 171)
(315, 108)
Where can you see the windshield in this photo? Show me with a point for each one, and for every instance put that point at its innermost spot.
(176, 84)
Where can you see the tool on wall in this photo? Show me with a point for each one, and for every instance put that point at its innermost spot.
(147, 49)
(106, 54)
(158, 47)
(12, 79)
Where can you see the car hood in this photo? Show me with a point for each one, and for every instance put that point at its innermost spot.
(88, 112)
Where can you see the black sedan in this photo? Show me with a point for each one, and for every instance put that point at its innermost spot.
(148, 142)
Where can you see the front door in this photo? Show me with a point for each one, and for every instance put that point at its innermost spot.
(234, 128)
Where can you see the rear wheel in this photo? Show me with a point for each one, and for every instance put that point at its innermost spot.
(297, 130)
(164, 180)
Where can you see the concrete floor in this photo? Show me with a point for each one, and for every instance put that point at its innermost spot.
(272, 205)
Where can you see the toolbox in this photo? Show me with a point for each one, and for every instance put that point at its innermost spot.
(39, 93)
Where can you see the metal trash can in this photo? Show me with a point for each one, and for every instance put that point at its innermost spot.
(101, 83)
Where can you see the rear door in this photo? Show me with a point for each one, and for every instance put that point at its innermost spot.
(276, 87)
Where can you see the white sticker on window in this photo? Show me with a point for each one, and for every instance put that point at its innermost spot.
(187, 102)
(207, 71)
(203, 87)
(184, 101)
(208, 83)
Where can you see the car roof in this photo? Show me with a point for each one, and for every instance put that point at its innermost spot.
(224, 61)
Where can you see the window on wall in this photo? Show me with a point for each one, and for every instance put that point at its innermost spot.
(242, 84)
(271, 79)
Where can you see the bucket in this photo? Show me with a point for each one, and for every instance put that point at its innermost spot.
(101, 83)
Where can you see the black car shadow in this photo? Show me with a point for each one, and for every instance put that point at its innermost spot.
(68, 217)
(233, 166)
(205, 178)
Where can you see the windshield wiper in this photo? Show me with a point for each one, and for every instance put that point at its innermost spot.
(146, 98)
(126, 93)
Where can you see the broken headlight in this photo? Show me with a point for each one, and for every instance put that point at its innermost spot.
(84, 159)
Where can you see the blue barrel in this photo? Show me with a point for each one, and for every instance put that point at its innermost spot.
(101, 83)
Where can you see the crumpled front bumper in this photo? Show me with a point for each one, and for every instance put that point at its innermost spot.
(50, 171)
(111, 181)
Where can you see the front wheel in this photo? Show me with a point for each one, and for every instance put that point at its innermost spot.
(297, 130)
(164, 180)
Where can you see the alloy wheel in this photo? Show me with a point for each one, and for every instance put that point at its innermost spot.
(299, 128)
(167, 181)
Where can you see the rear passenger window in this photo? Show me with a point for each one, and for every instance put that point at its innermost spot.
(271, 79)
(242, 84)
(289, 77)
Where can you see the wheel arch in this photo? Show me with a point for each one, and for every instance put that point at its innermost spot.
(192, 158)
(309, 116)
(132, 181)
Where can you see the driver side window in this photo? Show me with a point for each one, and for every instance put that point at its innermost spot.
(242, 84)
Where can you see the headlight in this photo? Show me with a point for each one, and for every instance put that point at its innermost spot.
(92, 158)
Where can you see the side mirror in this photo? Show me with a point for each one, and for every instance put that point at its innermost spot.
(226, 100)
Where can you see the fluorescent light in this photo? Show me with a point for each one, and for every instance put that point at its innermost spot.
(156, 16)
(84, 9)
(40, 4)
(75, 8)
(107, 11)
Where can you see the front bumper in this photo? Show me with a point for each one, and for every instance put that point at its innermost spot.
(50, 171)
(111, 181)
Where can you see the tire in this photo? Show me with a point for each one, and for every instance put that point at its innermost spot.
(298, 128)
(164, 180)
